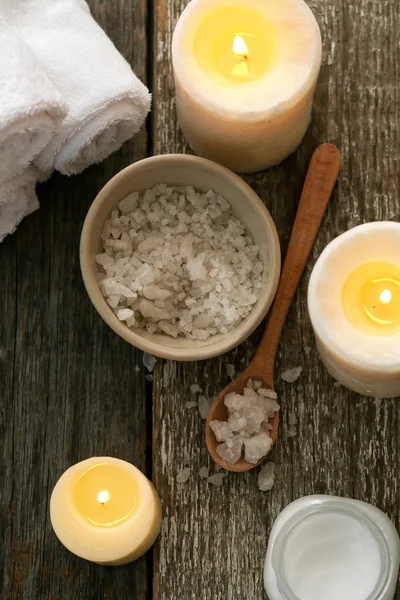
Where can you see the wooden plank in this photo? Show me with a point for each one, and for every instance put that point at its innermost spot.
(69, 388)
(214, 539)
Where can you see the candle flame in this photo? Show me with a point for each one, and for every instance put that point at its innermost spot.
(239, 46)
(386, 296)
(103, 496)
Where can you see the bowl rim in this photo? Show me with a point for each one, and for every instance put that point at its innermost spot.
(227, 341)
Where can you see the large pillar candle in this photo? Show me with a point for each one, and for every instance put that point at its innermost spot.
(245, 74)
(105, 510)
(354, 306)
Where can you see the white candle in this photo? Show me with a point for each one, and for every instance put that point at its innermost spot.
(354, 306)
(105, 510)
(245, 74)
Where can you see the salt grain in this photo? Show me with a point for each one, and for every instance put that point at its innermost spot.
(217, 479)
(137, 368)
(307, 350)
(149, 361)
(204, 406)
(204, 472)
(191, 404)
(195, 389)
(230, 369)
(149, 377)
(180, 263)
(292, 375)
(266, 477)
(183, 475)
(336, 384)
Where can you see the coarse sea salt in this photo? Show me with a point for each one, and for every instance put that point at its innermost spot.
(191, 404)
(230, 369)
(195, 388)
(204, 406)
(266, 477)
(177, 261)
(248, 427)
(183, 475)
(217, 479)
(149, 361)
(292, 375)
(204, 472)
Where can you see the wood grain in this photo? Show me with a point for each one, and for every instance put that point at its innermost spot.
(68, 385)
(214, 539)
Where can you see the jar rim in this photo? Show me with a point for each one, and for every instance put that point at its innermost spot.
(344, 509)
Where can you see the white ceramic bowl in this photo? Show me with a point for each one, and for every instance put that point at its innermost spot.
(203, 175)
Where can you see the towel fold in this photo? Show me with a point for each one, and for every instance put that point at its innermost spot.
(17, 200)
(30, 106)
(106, 103)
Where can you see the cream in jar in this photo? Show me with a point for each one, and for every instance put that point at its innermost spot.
(330, 548)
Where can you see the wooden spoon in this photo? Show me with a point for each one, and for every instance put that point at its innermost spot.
(320, 181)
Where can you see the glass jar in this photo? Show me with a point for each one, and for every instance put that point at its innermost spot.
(330, 548)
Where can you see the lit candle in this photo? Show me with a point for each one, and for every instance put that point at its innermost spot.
(245, 74)
(105, 510)
(354, 306)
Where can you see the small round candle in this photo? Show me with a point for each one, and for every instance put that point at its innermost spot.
(105, 510)
(354, 306)
(245, 74)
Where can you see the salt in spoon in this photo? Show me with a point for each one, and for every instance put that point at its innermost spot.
(320, 181)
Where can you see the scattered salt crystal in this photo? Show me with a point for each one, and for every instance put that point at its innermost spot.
(292, 422)
(204, 406)
(149, 361)
(137, 368)
(336, 384)
(191, 404)
(230, 369)
(183, 475)
(149, 377)
(292, 375)
(195, 388)
(204, 472)
(181, 261)
(217, 479)
(266, 477)
(307, 350)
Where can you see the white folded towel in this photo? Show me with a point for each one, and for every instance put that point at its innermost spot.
(106, 102)
(30, 106)
(17, 200)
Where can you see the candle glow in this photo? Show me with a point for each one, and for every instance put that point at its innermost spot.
(105, 510)
(245, 73)
(354, 306)
(371, 298)
(239, 46)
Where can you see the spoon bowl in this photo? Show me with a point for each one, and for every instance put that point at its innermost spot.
(320, 181)
(219, 412)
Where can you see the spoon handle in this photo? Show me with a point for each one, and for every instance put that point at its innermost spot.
(320, 181)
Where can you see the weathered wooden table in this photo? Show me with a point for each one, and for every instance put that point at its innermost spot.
(68, 385)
